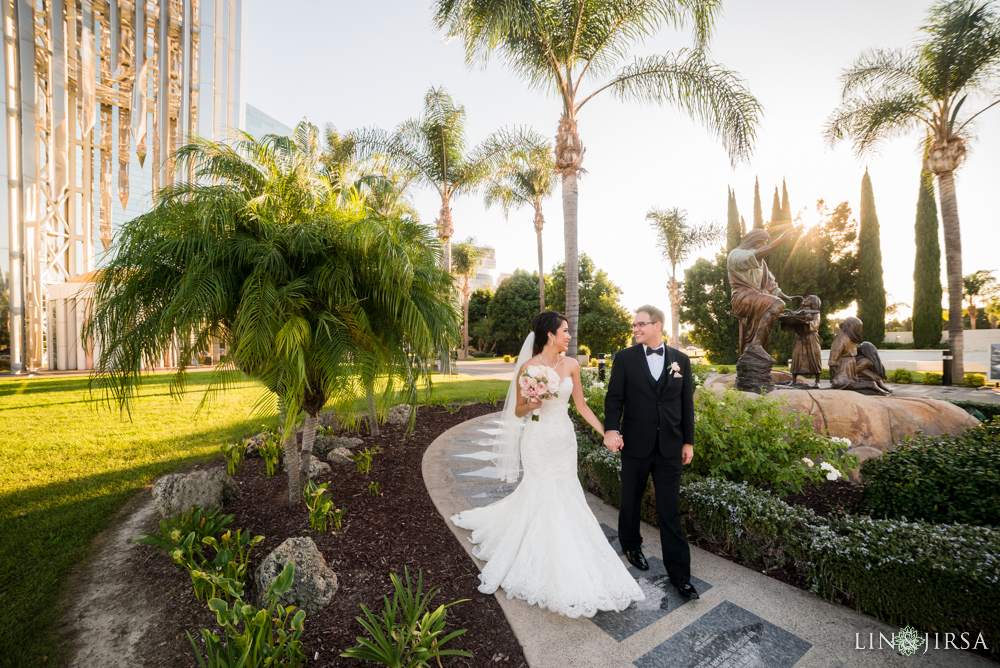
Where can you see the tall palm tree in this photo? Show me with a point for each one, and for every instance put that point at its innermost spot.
(467, 257)
(556, 45)
(433, 148)
(309, 295)
(678, 240)
(975, 286)
(888, 92)
(530, 179)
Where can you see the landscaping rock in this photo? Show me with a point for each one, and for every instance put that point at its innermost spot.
(254, 444)
(874, 422)
(176, 493)
(314, 583)
(329, 420)
(339, 456)
(862, 453)
(317, 467)
(398, 415)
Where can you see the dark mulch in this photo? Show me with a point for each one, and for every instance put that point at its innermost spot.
(380, 535)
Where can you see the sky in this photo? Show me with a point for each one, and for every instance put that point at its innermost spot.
(364, 64)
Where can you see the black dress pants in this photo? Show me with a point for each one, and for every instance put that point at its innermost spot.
(666, 474)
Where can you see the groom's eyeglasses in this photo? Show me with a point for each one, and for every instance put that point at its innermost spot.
(638, 325)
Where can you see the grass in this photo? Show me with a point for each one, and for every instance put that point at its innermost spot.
(68, 465)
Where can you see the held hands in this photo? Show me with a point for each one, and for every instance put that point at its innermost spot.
(613, 441)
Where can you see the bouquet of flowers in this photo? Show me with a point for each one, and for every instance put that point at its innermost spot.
(538, 382)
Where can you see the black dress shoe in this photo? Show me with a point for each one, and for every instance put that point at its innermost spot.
(636, 558)
(686, 591)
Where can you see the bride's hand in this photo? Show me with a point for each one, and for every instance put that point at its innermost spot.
(534, 403)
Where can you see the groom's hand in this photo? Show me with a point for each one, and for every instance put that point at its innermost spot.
(613, 441)
(687, 454)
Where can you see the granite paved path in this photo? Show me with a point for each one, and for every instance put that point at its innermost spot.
(744, 619)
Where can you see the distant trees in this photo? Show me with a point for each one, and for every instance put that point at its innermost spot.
(870, 282)
(605, 325)
(466, 258)
(890, 92)
(978, 285)
(927, 292)
(511, 310)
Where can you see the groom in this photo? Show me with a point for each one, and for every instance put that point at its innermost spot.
(649, 418)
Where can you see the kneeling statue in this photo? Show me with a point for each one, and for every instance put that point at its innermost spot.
(855, 365)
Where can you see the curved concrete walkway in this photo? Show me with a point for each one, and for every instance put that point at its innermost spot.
(744, 619)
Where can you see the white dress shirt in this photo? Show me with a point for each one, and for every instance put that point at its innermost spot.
(655, 361)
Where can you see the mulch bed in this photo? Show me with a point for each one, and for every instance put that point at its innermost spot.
(380, 535)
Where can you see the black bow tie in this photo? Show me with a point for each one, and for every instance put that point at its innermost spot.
(658, 351)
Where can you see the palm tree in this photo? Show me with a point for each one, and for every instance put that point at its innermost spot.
(677, 240)
(527, 181)
(974, 286)
(432, 147)
(314, 298)
(555, 45)
(889, 92)
(467, 257)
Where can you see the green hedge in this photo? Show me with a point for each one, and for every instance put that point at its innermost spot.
(943, 479)
(926, 575)
(988, 411)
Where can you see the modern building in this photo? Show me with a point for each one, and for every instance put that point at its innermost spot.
(260, 124)
(486, 275)
(98, 94)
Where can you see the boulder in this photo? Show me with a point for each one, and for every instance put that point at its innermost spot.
(871, 422)
(317, 467)
(314, 583)
(325, 444)
(862, 453)
(339, 456)
(254, 443)
(398, 415)
(176, 493)
(329, 420)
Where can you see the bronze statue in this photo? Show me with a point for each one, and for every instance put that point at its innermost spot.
(855, 365)
(757, 302)
(757, 299)
(806, 352)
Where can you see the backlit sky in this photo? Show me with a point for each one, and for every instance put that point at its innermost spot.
(358, 64)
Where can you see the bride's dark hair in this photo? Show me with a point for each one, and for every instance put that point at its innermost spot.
(543, 324)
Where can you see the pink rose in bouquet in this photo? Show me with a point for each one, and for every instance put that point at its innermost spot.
(536, 383)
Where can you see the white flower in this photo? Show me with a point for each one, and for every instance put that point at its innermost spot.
(599, 386)
(808, 462)
(832, 475)
(827, 466)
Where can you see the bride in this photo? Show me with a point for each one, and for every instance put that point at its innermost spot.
(542, 543)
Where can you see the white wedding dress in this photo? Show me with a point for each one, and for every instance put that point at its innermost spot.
(542, 543)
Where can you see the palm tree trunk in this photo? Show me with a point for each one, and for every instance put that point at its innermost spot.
(466, 292)
(570, 204)
(539, 223)
(445, 231)
(305, 456)
(292, 466)
(569, 156)
(973, 314)
(953, 265)
(373, 428)
(675, 313)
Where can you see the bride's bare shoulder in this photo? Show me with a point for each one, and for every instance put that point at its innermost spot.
(527, 364)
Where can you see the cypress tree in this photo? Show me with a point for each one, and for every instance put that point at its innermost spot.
(786, 208)
(758, 214)
(743, 227)
(776, 209)
(927, 321)
(733, 235)
(870, 284)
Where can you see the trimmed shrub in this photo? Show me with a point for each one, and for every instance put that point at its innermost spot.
(752, 439)
(931, 576)
(975, 379)
(901, 376)
(931, 378)
(508, 359)
(988, 411)
(949, 479)
(583, 350)
(478, 353)
(723, 369)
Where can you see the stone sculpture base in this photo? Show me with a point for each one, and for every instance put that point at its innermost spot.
(753, 374)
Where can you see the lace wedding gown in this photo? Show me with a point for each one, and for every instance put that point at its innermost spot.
(542, 543)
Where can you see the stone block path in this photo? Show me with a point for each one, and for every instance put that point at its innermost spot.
(743, 619)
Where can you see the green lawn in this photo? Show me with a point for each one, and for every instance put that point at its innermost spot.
(67, 465)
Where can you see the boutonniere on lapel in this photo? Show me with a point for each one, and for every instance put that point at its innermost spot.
(675, 367)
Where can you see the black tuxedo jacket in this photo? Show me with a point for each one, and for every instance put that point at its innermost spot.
(647, 412)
